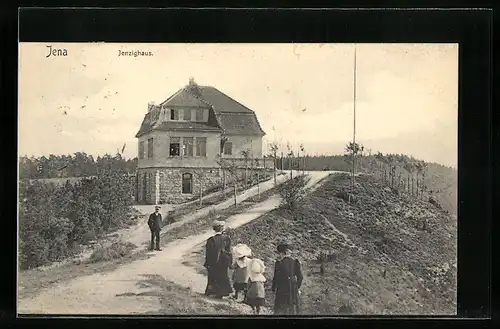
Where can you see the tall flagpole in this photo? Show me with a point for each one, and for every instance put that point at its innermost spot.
(354, 126)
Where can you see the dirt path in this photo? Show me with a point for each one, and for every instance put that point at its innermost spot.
(140, 235)
(124, 291)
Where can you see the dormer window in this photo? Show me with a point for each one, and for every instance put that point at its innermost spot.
(199, 115)
(174, 114)
(186, 115)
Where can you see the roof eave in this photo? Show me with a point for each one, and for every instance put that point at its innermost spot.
(240, 134)
(172, 96)
(212, 129)
(142, 133)
(191, 130)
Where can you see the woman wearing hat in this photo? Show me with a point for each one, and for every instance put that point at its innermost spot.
(218, 259)
(286, 282)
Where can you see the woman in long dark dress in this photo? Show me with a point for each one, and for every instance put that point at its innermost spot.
(218, 259)
(287, 281)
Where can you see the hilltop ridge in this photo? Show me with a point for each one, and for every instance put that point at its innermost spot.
(384, 253)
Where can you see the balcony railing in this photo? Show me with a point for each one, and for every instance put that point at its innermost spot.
(250, 163)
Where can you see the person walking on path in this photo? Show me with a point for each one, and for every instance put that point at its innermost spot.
(154, 223)
(218, 259)
(287, 281)
(256, 293)
(241, 272)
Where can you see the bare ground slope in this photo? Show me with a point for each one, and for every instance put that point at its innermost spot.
(385, 253)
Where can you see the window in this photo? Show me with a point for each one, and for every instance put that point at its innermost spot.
(187, 146)
(199, 114)
(186, 115)
(228, 148)
(174, 114)
(187, 183)
(150, 148)
(141, 150)
(201, 146)
(175, 146)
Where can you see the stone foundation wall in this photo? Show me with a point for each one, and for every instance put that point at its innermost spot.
(170, 189)
(164, 185)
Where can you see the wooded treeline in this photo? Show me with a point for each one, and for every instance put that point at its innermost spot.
(401, 172)
(79, 164)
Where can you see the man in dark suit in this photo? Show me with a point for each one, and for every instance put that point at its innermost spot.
(154, 224)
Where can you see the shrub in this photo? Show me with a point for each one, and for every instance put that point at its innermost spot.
(169, 218)
(293, 191)
(113, 251)
(53, 220)
(33, 252)
(212, 213)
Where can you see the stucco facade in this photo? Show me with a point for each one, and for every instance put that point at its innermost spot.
(239, 143)
(181, 140)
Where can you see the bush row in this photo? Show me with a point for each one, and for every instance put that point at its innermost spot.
(54, 221)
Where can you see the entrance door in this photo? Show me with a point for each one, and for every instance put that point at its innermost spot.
(187, 183)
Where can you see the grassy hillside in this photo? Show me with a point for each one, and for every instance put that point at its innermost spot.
(385, 253)
(441, 180)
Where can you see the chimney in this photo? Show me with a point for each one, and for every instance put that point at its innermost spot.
(151, 105)
(193, 87)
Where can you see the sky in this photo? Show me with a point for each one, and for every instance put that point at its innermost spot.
(93, 100)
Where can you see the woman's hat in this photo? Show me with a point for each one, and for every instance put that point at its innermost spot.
(257, 268)
(241, 250)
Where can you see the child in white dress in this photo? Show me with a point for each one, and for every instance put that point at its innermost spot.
(255, 296)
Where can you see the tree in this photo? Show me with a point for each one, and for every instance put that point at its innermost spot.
(246, 157)
(392, 161)
(293, 191)
(256, 161)
(382, 163)
(302, 149)
(274, 149)
(223, 141)
(201, 177)
(421, 168)
(230, 167)
(409, 166)
(289, 158)
(352, 152)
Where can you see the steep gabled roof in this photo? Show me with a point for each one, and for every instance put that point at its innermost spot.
(232, 117)
(240, 124)
(183, 98)
(221, 102)
(149, 120)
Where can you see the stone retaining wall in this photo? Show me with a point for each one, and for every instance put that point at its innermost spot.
(164, 185)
